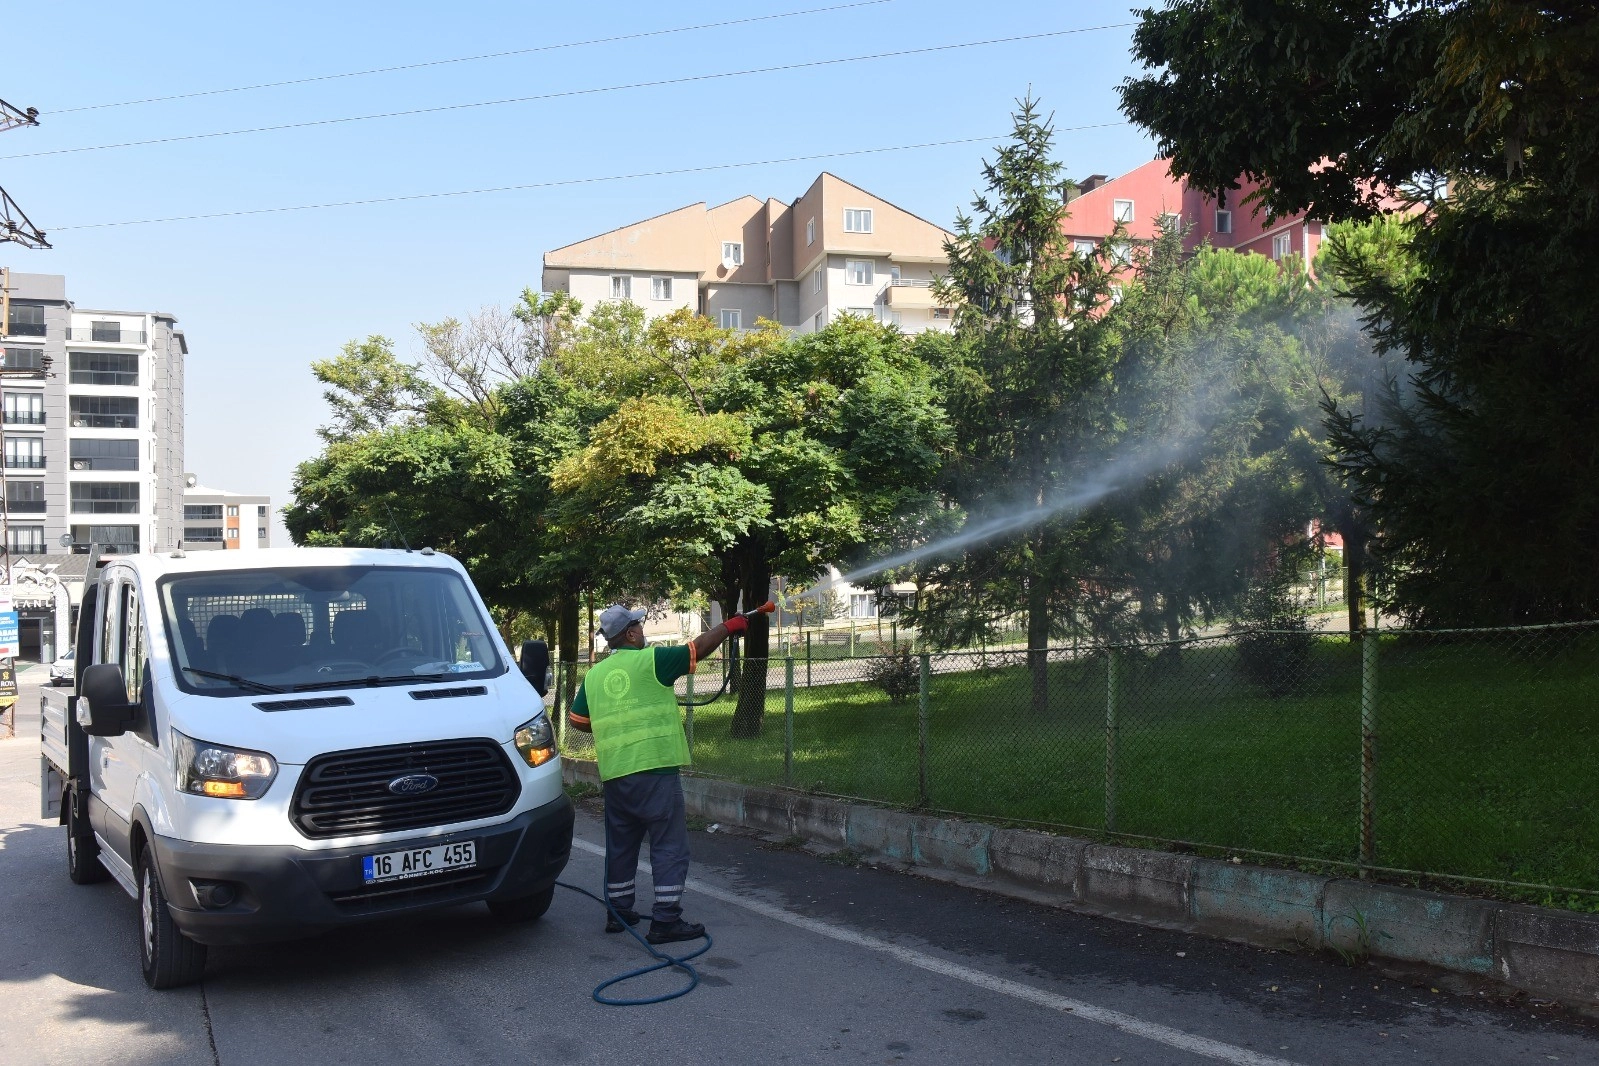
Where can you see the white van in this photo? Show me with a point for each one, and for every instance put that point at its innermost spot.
(273, 743)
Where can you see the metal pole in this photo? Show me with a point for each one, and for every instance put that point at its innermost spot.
(923, 798)
(1368, 749)
(807, 660)
(1111, 729)
(788, 722)
(560, 709)
(688, 716)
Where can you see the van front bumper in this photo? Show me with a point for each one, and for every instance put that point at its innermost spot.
(284, 892)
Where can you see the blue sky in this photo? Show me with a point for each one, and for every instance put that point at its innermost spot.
(261, 296)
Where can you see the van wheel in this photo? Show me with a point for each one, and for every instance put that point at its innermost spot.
(83, 851)
(526, 909)
(169, 959)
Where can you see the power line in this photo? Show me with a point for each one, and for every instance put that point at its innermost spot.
(564, 182)
(658, 83)
(470, 59)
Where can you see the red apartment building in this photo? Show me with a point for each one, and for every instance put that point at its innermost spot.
(1140, 197)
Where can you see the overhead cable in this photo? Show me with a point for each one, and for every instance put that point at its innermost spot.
(469, 59)
(567, 93)
(563, 182)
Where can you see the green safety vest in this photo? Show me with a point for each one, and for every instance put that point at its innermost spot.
(634, 717)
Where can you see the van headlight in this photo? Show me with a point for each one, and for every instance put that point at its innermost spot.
(206, 769)
(535, 741)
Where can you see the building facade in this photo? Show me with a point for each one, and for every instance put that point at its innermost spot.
(835, 250)
(92, 409)
(214, 519)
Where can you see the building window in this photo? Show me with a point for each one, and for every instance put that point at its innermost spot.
(260, 532)
(27, 320)
(1224, 221)
(233, 533)
(1083, 247)
(816, 280)
(1169, 221)
(24, 359)
(24, 453)
(233, 511)
(1282, 246)
(940, 314)
(103, 454)
(260, 512)
(859, 312)
(732, 253)
(732, 318)
(202, 512)
(621, 287)
(857, 220)
(25, 497)
(661, 288)
(105, 331)
(24, 409)
(1120, 252)
(202, 534)
(820, 321)
(103, 368)
(858, 271)
(1115, 294)
(862, 605)
(118, 539)
(105, 497)
(26, 539)
(105, 412)
(810, 232)
(1121, 210)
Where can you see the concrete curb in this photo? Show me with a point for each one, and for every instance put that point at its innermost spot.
(1538, 950)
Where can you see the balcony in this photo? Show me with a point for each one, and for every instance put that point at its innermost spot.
(24, 462)
(24, 418)
(25, 329)
(908, 294)
(25, 506)
(102, 335)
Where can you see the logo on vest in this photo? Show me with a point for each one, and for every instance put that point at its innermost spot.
(617, 684)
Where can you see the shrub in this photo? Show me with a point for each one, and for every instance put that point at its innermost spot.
(1272, 634)
(898, 674)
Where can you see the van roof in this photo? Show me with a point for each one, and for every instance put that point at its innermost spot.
(193, 562)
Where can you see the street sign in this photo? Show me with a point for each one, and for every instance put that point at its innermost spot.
(8, 682)
(10, 637)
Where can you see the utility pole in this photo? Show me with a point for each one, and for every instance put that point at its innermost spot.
(15, 226)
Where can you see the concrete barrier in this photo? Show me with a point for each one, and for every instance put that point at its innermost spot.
(1538, 950)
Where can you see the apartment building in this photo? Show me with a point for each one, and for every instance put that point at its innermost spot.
(835, 250)
(1140, 198)
(214, 519)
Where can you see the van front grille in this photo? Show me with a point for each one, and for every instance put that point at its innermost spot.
(347, 793)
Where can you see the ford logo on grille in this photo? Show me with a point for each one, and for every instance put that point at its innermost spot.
(413, 784)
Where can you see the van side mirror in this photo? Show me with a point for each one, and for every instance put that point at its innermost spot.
(103, 708)
(536, 665)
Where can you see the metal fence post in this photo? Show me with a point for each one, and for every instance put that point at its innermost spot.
(807, 660)
(788, 722)
(1368, 749)
(688, 714)
(1110, 739)
(852, 638)
(560, 708)
(922, 795)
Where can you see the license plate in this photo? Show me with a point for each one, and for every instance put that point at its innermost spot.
(418, 862)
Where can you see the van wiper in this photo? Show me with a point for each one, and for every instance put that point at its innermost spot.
(371, 682)
(242, 682)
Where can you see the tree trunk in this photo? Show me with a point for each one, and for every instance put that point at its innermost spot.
(751, 684)
(566, 626)
(1355, 538)
(1038, 642)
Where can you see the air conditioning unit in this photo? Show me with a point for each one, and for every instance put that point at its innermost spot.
(80, 464)
(77, 423)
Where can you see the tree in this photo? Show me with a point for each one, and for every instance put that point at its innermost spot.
(368, 388)
(1475, 464)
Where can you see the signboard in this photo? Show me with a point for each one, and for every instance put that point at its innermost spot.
(10, 637)
(8, 682)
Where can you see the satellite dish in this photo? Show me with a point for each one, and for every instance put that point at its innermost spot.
(190, 480)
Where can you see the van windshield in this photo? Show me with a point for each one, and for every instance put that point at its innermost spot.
(301, 628)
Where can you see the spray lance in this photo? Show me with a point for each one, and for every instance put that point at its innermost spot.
(730, 660)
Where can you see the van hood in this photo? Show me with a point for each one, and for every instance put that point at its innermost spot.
(374, 717)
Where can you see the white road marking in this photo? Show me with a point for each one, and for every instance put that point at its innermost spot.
(1160, 1034)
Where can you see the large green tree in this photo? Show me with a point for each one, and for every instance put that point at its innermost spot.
(1476, 462)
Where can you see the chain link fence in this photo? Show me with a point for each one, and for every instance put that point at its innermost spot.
(1468, 755)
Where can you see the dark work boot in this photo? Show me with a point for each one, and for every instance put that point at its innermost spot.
(671, 932)
(631, 917)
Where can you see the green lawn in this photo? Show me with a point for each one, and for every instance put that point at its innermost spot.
(1487, 752)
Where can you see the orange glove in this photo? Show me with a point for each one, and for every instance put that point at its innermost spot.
(736, 625)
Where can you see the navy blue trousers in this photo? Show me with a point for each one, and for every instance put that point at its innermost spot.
(637, 806)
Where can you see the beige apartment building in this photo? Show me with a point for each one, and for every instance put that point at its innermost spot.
(836, 250)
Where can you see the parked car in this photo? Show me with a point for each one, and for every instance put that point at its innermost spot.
(61, 671)
(268, 744)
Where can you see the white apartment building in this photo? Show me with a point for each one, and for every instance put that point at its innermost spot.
(214, 519)
(835, 250)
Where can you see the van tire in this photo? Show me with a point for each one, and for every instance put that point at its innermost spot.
(83, 851)
(168, 958)
(525, 909)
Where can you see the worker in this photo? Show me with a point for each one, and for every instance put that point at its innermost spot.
(630, 705)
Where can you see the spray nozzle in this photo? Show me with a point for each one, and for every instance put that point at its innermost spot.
(766, 608)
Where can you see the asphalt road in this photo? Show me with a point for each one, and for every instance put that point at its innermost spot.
(815, 961)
